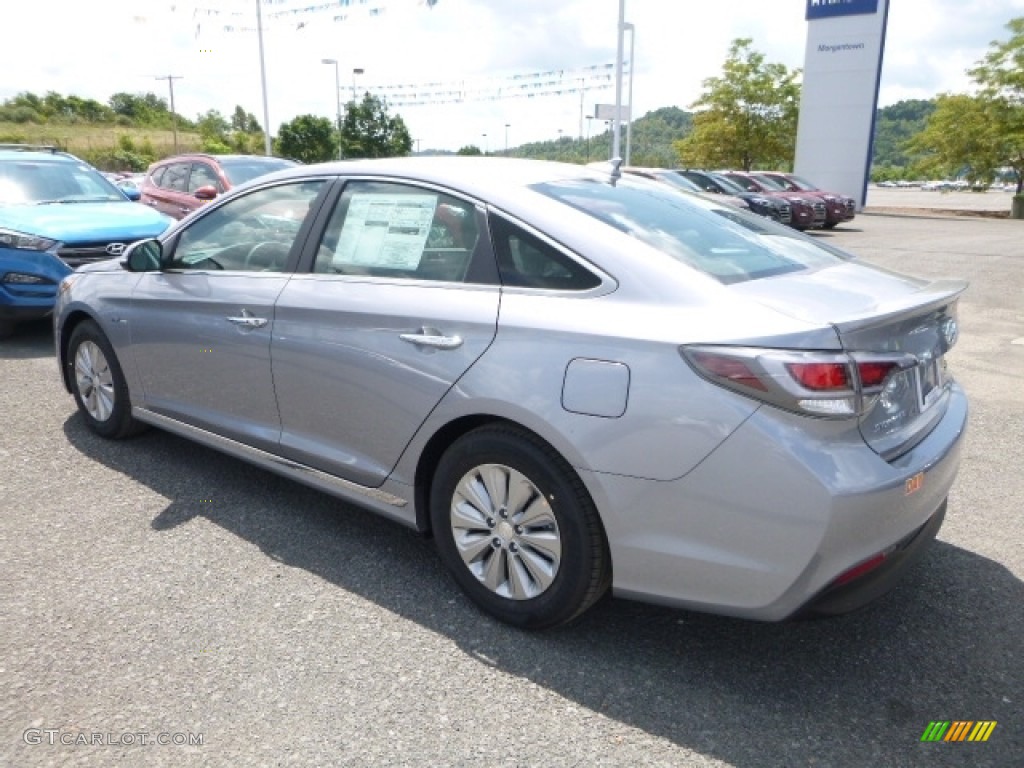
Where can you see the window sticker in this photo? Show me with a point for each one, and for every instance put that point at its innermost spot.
(385, 231)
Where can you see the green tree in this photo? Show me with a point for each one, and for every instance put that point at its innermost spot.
(243, 121)
(469, 149)
(213, 125)
(747, 117)
(369, 131)
(895, 125)
(308, 139)
(979, 135)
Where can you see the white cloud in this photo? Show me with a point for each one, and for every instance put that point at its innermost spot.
(95, 49)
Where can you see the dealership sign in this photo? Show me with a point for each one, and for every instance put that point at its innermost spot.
(839, 95)
(823, 9)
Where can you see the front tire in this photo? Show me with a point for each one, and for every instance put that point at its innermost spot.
(98, 383)
(517, 529)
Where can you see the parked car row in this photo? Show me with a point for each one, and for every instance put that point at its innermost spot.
(785, 197)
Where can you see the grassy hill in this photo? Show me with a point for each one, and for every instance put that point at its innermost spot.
(108, 147)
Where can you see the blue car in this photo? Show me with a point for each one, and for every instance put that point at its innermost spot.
(56, 213)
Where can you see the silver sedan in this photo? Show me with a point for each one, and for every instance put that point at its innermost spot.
(574, 380)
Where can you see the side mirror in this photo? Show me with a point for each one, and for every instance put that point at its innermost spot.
(206, 193)
(132, 194)
(143, 256)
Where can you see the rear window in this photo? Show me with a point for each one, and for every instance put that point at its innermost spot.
(726, 244)
(245, 169)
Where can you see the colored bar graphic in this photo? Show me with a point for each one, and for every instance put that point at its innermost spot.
(958, 730)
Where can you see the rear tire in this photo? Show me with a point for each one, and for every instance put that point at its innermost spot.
(517, 529)
(98, 384)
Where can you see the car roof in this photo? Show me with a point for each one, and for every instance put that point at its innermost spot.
(484, 177)
(189, 156)
(38, 155)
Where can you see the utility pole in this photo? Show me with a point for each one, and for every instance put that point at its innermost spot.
(174, 117)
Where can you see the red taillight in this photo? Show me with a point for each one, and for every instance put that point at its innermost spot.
(729, 368)
(873, 374)
(859, 570)
(820, 376)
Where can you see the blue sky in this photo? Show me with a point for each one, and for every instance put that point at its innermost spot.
(94, 49)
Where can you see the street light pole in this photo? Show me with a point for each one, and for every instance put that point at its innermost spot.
(485, 142)
(617, 121)
(263, 80)
(337, 96)
(506, 138)
(629, 118)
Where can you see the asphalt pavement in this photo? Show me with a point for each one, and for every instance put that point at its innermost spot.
(155, 591)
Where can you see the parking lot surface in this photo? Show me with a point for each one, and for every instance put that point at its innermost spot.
(154, 588)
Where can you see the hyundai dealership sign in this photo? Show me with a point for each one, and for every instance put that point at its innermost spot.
(839, 96)
(823, 9)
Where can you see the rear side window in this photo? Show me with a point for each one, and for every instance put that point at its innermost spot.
(730, 246)
(526, 261)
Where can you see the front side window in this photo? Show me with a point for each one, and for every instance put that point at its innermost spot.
(253, 233)
(727, 245)
(175, 178)
(384, 229)
(202, 176)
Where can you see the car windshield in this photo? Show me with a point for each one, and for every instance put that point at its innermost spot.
(37, 183)
(243, 169)
(801, 183)
(727, 184)
(728, 245)
(769, 183)
(680, 181)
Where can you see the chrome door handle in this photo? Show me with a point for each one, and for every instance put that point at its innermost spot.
(248, 320)
(431, 337)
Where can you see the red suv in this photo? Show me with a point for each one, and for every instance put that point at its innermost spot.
(838, 208)
(808, 210)
(180, 184)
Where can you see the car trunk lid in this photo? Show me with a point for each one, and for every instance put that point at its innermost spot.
(880, 315)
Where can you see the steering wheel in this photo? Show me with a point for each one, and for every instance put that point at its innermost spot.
(264, 246)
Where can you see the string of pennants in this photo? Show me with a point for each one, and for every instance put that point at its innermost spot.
(558, 82)
(244, 20)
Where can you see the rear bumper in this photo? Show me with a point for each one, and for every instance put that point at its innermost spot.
(767, 522)
(857, 593)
